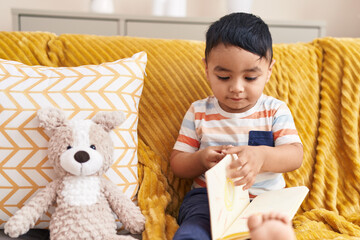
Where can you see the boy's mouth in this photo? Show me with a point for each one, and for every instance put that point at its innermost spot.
(236, 99)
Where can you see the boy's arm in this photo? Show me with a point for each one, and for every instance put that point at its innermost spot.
(256, 159)
(192, 165)
(186, 165)
(283, 158)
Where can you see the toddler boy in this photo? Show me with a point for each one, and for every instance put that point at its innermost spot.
(238, 118)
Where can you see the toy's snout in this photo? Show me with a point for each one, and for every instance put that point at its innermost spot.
(81, 156)
(81, 160)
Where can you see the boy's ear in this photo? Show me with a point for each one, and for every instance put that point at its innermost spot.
(206, 67)
(272, 63)
(270, 69)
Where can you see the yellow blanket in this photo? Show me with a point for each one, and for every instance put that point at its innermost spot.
(332, 209)
(319, 82)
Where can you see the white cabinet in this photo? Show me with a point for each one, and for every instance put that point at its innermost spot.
(167, 29)
(149, 26)
(58, 24)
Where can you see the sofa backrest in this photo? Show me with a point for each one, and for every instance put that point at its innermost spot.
(175, 78)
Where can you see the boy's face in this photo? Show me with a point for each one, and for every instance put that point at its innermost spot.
(237, 77)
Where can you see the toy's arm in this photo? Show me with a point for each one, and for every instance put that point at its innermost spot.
(26, 217)
(128, 213)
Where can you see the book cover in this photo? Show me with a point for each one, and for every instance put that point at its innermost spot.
(230, 205)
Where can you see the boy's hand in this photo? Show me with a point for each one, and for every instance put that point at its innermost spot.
(210, 156)
(247, 166)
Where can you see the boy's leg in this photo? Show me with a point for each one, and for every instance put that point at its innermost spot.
(194, 216)
(270, 226)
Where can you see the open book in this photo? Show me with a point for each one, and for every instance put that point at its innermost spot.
(230, 205)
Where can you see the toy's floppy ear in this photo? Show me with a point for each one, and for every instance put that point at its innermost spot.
(109, 120)
(51, 118)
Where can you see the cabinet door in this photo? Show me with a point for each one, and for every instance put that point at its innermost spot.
(61, 25)
(170, 30)
(293, 34)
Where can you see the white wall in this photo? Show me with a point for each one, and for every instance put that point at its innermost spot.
(341, 16)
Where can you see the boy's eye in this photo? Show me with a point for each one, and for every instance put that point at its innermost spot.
(223, 78)
(250, 78)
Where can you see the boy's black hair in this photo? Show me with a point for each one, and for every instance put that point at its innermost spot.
(243, 30)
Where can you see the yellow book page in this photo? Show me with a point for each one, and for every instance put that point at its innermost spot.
(226, 201)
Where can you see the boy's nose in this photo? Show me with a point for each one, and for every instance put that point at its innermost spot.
(237, 86)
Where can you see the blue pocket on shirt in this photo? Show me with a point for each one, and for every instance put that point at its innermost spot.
(257, 138)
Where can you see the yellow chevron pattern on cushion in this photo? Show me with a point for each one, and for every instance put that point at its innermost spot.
(81, 92)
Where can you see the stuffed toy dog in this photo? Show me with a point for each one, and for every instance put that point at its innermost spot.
(81, 151)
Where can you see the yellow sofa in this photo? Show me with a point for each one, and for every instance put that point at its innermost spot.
(319, 81)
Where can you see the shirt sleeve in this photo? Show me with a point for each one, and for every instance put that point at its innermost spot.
(283, 127)
(188, 140)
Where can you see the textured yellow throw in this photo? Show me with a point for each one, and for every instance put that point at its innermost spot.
(318, 80)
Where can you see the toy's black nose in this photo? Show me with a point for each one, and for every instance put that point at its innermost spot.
(81, 156)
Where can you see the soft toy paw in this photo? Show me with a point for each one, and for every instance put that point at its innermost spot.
(14, 228)
(81, 151)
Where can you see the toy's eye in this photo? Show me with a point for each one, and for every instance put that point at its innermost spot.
(93, 147)
(69, 147)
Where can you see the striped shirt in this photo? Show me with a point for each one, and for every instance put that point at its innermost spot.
(206, 124)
